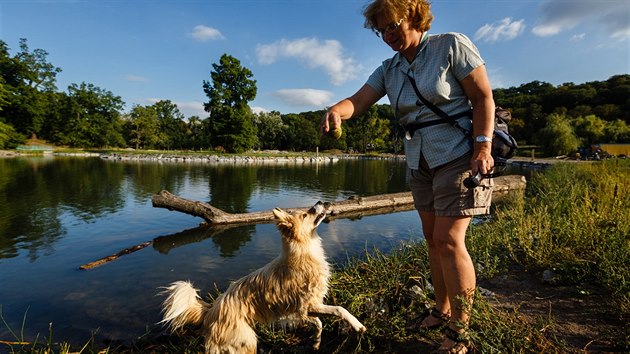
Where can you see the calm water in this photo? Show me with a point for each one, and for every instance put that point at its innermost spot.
(59, 213)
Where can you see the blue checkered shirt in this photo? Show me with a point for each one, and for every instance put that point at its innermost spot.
(442, 61)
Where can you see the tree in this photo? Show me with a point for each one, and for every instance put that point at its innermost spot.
(299, 134)
(4, 95)
(608, 112)
(270, 129)
(171, 125)
(9, 138)
(194, 133)
(27, 76)
(617, 132)
(90, 118)
(370, 131)
(557, 137)
(569, 95)
(231, 120)
(590, 129)
(143, 126)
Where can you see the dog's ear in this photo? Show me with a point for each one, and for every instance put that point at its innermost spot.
(280, 214)
(283, 218)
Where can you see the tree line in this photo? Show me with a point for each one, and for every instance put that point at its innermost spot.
(559, 118)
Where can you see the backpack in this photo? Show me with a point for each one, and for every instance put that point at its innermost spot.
(503, 144)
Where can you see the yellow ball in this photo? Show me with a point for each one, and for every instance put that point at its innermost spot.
(336, 133)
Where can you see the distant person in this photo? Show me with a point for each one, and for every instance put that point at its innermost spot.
(449, 72)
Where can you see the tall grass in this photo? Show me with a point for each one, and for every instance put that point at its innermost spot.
(574, 220)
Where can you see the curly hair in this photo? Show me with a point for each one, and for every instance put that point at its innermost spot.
(416, 12)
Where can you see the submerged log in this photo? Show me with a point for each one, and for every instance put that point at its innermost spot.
(115, 256)
(383, 203)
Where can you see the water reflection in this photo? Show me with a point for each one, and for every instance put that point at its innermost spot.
(61, 212)
(227, 238)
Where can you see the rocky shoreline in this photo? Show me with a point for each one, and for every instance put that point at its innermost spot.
(274, 157)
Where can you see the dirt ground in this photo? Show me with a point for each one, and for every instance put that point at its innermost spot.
(580, 314)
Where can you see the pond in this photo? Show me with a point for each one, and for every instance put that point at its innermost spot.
(62, 212)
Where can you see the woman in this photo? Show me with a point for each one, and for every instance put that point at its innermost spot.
(449, 73)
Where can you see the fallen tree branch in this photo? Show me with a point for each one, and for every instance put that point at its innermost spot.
(214, 216)
(220, 220)
(115, 256)
(357, 205)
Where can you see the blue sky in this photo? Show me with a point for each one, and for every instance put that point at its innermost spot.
(304, 54)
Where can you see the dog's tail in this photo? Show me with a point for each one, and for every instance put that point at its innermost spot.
(182, 306)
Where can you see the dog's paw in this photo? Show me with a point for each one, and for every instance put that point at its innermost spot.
(361, 329)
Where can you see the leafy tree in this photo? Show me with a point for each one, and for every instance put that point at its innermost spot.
(35, 71)
(590, 129)
(4, 95)
(522, 96)
(568, 95)
(299, 135)
(26, 76)
(194, 134)
(270, 129)
(231, 120)
(617, 132)
(142, 126)
(171, 125)
(557, 137)
(581, 111)
(370, 131)
(90, 118)
(534, 118)
(608, 112)
(9, 138)
(617, 90)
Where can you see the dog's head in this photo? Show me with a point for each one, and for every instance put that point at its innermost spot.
(301, 226)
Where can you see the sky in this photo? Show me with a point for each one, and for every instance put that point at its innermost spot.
(305, 55)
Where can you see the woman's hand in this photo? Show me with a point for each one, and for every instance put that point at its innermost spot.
(482, 161)
(354, 105)
(330, 121)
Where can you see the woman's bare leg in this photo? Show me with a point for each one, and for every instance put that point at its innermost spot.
(442, 302)
(458, 271)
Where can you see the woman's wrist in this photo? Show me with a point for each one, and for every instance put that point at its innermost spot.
(480, 148)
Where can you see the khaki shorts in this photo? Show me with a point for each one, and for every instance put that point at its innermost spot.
(441, 189)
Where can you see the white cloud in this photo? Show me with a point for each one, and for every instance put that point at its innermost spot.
(327, 55)
(560, 15)
(504, 30)
(259, 110)
(191, 108)
(204, 33)
(577, 37)
(305, 97)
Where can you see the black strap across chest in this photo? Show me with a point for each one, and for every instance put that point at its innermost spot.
(444, 118)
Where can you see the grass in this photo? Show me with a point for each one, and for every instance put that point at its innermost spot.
(573, 219)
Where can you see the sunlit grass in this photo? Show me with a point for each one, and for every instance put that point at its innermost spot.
(575, 220)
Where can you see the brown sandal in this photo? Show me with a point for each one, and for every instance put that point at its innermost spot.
(462, 342)
(433, 312)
